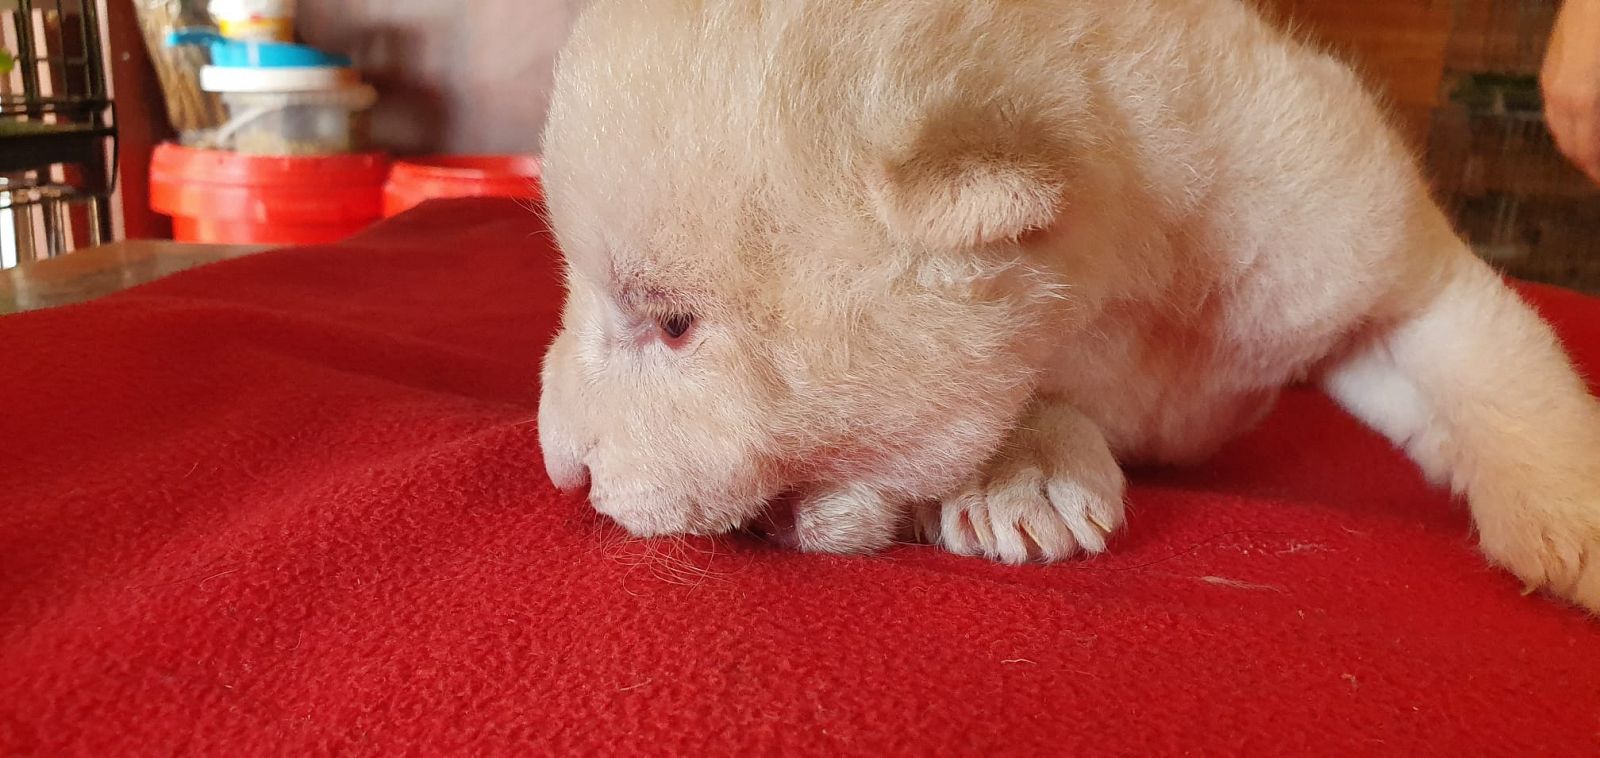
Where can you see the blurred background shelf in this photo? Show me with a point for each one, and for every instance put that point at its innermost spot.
(473, 77)
(27, 145)
(472, 82)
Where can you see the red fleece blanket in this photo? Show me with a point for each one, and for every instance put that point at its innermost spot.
(293, 504)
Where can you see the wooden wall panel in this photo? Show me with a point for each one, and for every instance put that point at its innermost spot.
(1501, 36)
(1399, 47)
(141, 122)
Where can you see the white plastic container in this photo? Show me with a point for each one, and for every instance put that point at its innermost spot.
(315, 122)
(264, 20)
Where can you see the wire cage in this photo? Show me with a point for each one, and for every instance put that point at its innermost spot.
(57, 135)
(1495, 165)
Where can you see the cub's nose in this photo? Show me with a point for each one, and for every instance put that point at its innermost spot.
(563, 461)
(566, 471)
(567, 478)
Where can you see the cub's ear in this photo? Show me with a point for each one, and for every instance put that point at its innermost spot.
(971, 177)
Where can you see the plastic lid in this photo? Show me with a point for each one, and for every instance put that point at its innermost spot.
(251, 8)
(233, 53)
(354, 97)
(472, 168)
(310, 79)
(172, 163)
(413, 180)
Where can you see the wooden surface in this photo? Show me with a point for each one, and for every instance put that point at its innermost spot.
(97, 271)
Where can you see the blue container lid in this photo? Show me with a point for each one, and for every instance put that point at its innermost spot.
(231, 53)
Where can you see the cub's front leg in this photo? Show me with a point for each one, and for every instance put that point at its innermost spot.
(1053, 490)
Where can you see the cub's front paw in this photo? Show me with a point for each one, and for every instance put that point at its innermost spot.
(1551, 543)
(1053, 490)
(853, 519)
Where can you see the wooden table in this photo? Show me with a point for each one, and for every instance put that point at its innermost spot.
(96, 271)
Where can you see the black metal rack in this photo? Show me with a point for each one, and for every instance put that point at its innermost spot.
(57, 130)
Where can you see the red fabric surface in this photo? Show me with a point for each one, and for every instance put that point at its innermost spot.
(293, 503)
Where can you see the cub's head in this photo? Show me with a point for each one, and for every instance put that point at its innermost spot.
(795, 264)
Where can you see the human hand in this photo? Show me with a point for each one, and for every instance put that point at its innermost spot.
(1571, 83)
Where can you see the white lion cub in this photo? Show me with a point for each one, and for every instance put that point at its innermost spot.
(950, 261)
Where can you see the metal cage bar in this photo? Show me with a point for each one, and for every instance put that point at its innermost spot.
(57, 130)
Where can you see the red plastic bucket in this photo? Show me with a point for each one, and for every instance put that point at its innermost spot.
(226, 197)
(413, 180)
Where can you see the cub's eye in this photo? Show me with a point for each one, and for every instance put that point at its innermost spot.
(675, 325)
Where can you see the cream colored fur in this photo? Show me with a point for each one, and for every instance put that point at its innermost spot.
(949, 261)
